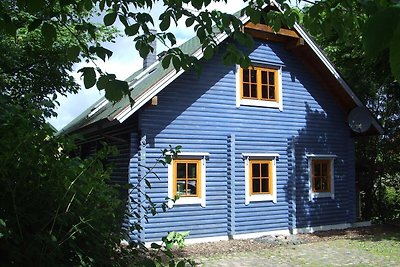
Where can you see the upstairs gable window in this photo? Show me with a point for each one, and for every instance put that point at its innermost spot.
(259, 86)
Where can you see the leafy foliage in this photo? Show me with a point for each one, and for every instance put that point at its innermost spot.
(377, 25)
(371, 78)
(55, 209)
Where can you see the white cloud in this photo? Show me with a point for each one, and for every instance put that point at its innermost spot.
(125, 61)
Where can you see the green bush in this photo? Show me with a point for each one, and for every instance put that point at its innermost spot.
(55, 210)
(390, 198)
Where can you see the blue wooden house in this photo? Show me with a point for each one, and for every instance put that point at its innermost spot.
(264, 150)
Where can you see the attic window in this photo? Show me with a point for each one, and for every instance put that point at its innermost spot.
(259, 86)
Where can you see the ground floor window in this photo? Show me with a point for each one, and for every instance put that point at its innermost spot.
(187, 179)
(321, 175)
(260, 177)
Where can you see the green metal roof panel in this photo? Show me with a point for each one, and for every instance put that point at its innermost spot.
(110, 109)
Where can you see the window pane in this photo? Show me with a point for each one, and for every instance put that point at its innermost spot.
(192, 188)
(264, 91)
(264, 170)
(181, 170)
(271, 78)
(265, 185)
(256, 169)
(245, 75)
(180, 187)
(253, 74)
(254, 90)
(324, 169)
(324, 184)
(192, 170)
(246, 90)
(264, 77)
(272, 92)
(256, 186)
(317, 184)
(317, 169)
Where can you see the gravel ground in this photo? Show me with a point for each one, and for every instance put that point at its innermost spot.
(233, 247)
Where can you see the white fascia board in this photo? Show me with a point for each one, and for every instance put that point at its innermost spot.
(97, 107)
(334, 72)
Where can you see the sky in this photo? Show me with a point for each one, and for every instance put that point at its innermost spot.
(124, 61)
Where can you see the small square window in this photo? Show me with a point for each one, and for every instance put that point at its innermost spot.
(321, 175)
(260, 177)
(187, 179)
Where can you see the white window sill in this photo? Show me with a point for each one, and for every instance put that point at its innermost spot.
(322, 195)
(187, 201)
(260, 197)
(260, 103)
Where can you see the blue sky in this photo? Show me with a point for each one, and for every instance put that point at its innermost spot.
(124, 62)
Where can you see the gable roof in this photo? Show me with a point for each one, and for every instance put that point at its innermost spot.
(147, 83)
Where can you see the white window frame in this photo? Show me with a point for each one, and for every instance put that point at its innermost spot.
(315, 195)
(260, 103)
(202, 156)
(260, 197)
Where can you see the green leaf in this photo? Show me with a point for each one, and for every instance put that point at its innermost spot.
(189, 21)
(34, 24)
(378, 30)
(155, 246)
(255, 16)
(176, 62)
(208, 52)
(166, 61)
(110, 18)
(89, 77)
(171, 38)
(132, 29)
(394, 54)
(102, 82)
(10, 28)
(103, 53)
(35, 5)
(164, 25)
(148, 184)
(88, 5)
(49, 33)
(53, 238)
(116, 89)
(198, 4)
(73, 52)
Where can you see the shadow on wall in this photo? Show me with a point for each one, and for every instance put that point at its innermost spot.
(317, 137)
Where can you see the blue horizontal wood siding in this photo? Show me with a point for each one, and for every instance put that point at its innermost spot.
(199, 113)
